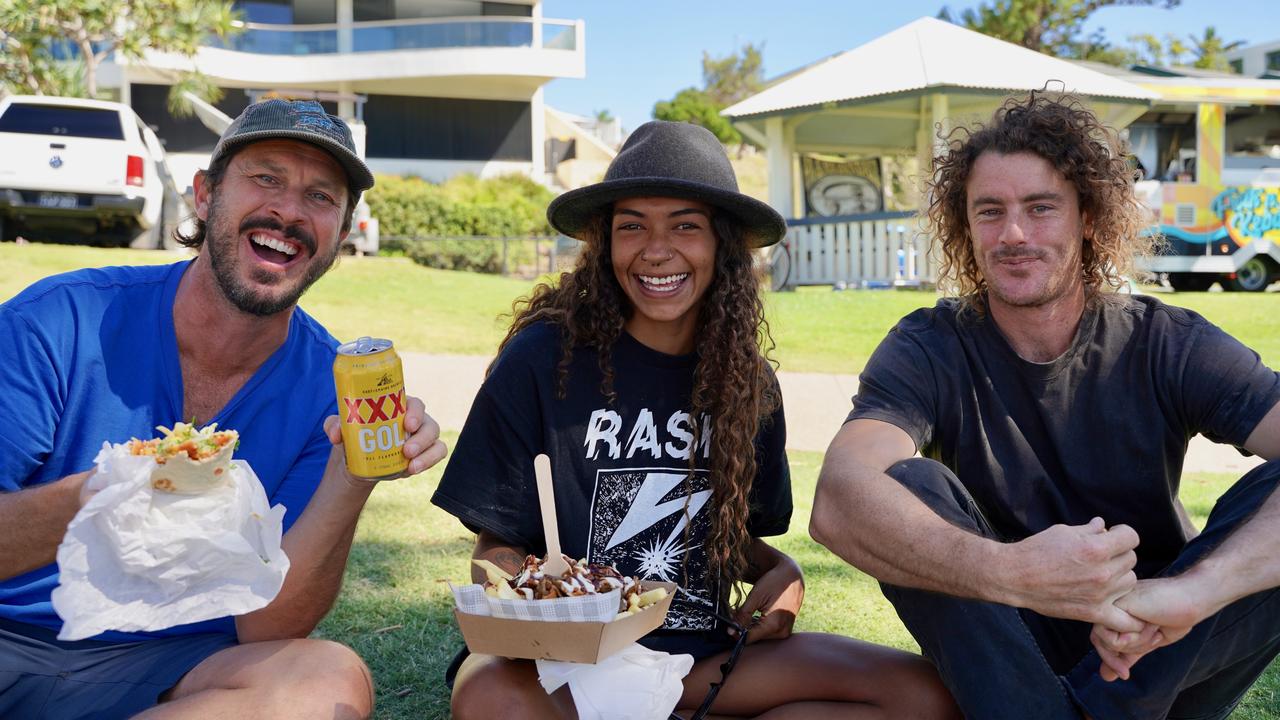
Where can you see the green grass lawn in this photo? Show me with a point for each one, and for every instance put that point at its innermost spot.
(395, 608)
(445, 312)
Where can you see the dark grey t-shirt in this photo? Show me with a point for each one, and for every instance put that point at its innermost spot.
(619, 470)
(1100, 431)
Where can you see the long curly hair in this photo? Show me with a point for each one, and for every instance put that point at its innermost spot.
(1058, 128)
(733, 380)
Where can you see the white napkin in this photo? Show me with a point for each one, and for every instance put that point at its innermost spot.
(137, 559)
(635, 683)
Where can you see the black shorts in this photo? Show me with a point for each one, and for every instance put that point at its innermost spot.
(43, 677)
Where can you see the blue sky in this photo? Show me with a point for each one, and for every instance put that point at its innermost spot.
(643, 51)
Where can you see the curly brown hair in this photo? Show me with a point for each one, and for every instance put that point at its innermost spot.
(1091, 156)
(733, 380)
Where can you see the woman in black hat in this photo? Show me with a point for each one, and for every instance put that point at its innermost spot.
(641, 374)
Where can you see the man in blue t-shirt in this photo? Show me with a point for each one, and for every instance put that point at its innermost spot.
(1037, 549)
(108, 354)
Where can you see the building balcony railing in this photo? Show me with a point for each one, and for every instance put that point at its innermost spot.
(411, 34)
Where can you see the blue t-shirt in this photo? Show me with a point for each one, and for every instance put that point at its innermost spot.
(91, 356)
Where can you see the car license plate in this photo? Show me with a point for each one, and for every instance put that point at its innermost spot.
(61, 201)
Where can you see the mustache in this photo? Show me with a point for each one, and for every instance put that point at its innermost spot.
(292, 232)
(1017, 253)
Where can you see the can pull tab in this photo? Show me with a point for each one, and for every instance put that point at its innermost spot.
(365, 345)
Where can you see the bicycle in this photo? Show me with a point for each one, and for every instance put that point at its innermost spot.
(780, 265)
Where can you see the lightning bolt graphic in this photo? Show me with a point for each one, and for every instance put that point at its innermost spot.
(648, 509)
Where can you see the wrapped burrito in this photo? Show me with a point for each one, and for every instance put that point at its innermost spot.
(188, 461)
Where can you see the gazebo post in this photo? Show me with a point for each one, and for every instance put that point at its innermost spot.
(779, 154)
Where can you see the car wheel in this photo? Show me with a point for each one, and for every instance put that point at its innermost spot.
(1253, 276)
(1190, 282)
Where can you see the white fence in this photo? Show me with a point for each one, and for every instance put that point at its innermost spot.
(859, 251)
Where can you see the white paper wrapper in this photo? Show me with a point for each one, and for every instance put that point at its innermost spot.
(603, 607)
(138, 559)
(635, 683)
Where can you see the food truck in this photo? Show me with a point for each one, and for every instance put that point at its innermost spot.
(1209, 152)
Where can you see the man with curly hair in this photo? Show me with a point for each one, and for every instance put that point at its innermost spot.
(1037, 549)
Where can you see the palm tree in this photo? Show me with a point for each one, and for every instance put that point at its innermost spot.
(1211, 50)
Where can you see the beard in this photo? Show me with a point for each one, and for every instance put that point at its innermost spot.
(249, 296)
(1061, 268)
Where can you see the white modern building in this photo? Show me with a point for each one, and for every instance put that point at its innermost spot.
(441, 87)
(1261, 60)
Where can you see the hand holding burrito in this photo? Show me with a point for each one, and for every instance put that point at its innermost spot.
(143, 554)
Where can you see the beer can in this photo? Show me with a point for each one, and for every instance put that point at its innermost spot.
(369, 381)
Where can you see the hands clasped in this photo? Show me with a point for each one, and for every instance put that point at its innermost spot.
(1086, 572)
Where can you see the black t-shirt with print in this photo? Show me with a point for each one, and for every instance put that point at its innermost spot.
(1100, 431)
(619, 470)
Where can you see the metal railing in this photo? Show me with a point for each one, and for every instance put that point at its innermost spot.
(524, 257)
(408, 34)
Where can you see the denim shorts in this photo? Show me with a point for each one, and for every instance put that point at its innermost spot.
(42, 677)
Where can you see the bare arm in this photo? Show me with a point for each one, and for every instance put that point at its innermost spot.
(319, 542)
(33, 521)
(873, 522)
(777, 593)
(497, 551)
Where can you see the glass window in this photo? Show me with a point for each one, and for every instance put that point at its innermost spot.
(289, 12)
(271, 12)
(1273, 60)
(1253, 131)
(66, 121)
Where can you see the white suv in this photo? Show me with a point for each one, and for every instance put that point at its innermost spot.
(83, 168)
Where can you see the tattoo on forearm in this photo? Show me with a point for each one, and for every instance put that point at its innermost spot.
(504, 557)
(508, 560)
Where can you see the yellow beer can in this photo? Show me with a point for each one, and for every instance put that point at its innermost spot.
(369, 381)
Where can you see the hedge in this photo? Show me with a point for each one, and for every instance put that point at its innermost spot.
(506, 206)
(415, 216)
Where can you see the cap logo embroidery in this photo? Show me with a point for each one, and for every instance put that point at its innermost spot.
(318, 120)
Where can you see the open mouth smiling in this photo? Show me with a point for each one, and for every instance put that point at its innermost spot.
(662, 284)
(273, 249)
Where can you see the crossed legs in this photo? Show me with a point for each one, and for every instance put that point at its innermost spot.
(808, 675)
(1001, 662)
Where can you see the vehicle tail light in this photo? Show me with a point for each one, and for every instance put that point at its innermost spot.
(133, 171)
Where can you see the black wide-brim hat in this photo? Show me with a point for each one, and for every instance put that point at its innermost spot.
(669, 159)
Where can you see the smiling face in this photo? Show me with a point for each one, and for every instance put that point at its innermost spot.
(274, 223)
(664, 258)
(1027, 230)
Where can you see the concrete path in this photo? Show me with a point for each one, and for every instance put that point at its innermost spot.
(816, 405)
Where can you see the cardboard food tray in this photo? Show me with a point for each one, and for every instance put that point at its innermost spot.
(582, 642)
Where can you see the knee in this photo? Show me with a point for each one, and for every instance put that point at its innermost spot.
(939, 488)
(917, 473)
(1265, 477)
(323, 678)
(929, 698)
(1243, 498)
(493, 689)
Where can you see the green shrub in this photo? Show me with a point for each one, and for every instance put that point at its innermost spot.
(476, 254)
(506, 206)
